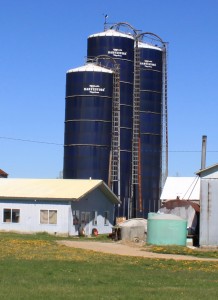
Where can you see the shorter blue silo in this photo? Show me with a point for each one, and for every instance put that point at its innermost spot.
(88, 122)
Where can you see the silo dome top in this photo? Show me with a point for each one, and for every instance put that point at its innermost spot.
(149, 46)
(112, 32)
(90, 67)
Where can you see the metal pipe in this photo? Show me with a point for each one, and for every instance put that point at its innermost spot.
(203, 152)
(109, 170)
(139, 175)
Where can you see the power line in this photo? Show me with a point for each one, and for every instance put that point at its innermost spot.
(194, 151)
(30, 141)
(58, 144)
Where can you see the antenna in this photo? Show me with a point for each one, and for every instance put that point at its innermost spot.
(105, 21)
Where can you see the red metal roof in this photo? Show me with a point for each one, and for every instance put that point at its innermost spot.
(3, 173)
(170, 204)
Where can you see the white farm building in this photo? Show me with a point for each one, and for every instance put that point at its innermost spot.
(183, 188)
(209, 206)
(56, 206)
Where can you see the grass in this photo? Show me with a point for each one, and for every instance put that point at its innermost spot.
(36, 267)
(180, 250)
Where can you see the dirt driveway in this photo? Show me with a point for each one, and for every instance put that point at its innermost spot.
(118, 248)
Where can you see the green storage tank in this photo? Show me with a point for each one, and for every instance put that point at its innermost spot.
(166, 229)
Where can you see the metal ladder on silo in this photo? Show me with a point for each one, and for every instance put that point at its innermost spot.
(136, 125)
(115, 142)
(164, 164)
(136, 115)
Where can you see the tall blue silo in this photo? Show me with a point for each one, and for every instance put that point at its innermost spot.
(150, 124)
(120, 47)
(88, 121)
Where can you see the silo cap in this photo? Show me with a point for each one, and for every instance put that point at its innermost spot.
(90, 67)
(149, 46)
(112, 32)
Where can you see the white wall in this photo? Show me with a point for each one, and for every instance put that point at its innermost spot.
(209, 213)
(30, 216)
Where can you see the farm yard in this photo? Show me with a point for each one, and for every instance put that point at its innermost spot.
(42, 267)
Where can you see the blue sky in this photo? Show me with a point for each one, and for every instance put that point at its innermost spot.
(41, 39)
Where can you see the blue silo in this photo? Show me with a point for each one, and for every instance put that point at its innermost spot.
(120, 47)
(150, 124)
(88, 121)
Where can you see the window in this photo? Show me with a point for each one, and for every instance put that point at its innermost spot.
(48, 216)
(94, 218)
(85, 217)
(75, 217)
(106, 218)
(11, 215)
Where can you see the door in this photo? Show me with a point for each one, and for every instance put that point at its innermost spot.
(85, 222)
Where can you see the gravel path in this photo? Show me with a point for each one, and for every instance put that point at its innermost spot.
(127, 250)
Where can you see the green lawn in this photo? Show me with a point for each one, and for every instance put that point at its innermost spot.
(36, 267)
(181, 250)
